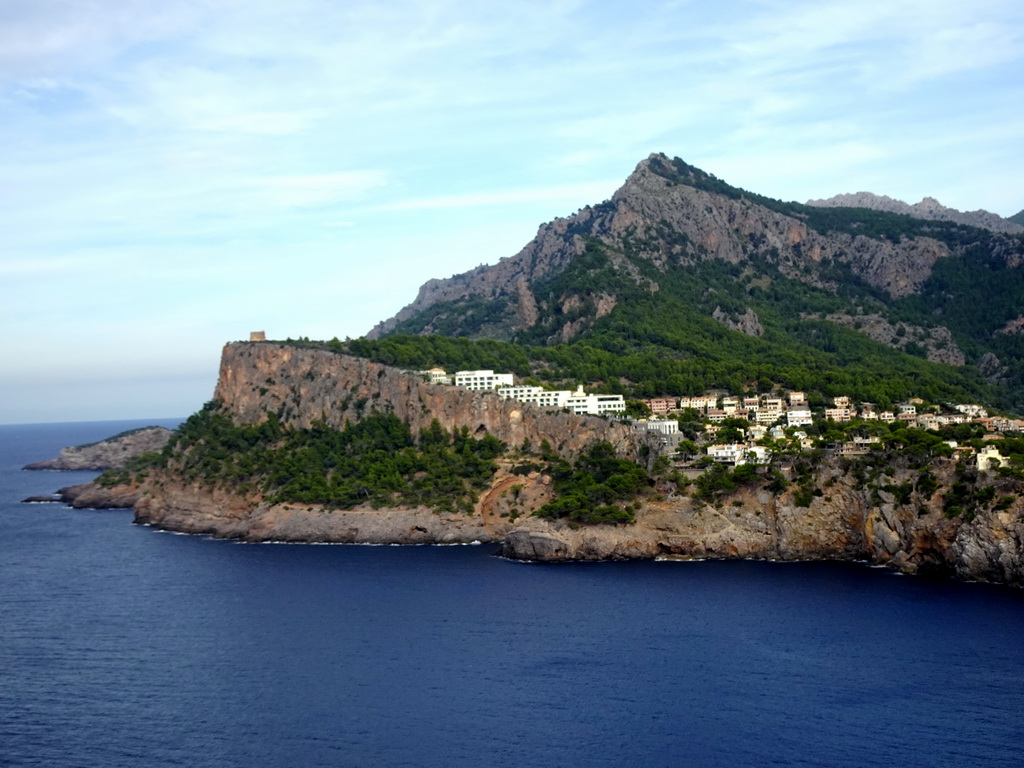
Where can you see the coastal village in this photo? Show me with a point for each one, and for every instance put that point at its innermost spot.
(756, 427)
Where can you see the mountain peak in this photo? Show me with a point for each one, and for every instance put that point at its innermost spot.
(677, 258)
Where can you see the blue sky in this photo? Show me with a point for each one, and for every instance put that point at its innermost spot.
(175, 175)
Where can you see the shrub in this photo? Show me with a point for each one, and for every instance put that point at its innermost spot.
(803, 496)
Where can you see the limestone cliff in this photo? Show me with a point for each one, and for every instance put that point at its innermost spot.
(303, 386)
(95, 496)
(177, 506)
(306, 385)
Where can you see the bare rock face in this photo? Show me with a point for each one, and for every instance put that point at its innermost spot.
(1012, 327)
(936, 342)
(307, 385)
(93, 496)
(747, 323)
(175, 506)
(992, 368)
(900, 269)
(547, 254)
(847, 523)
(111, 453)
(929, 208)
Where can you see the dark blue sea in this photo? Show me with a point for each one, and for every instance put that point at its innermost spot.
(124, 646)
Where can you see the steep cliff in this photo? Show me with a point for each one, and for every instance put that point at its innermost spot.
(303, 386)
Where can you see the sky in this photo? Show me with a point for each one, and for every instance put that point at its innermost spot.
(176, 175)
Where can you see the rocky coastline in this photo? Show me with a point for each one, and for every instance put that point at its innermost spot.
(913, 538)
(848, 520)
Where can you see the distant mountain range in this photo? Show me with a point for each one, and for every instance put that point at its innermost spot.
(710, 278)
(929, 209)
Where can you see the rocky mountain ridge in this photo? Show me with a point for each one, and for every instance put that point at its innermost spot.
(677, 222)
(929, 208)
(931, 288)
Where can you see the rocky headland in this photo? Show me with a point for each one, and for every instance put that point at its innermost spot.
(891, 519)
(96, 496)
(112, 453)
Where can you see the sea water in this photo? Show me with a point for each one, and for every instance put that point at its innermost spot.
(124, 646)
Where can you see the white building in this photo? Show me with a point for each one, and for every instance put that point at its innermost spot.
(582, 403)
(736, 453)
(664, 426)
(729, 453)
(437, 376)
(546, 398)
(972, 409)
(988, 457)
(799, 416)
(767, 417)
(578, 402)
(482, 379)
(701, 403)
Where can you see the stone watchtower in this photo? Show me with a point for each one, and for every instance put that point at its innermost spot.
(257, 336)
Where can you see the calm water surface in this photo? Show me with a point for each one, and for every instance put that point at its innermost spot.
(124, 646)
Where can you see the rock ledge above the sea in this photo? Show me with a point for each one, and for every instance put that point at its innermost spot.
(92, 496)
